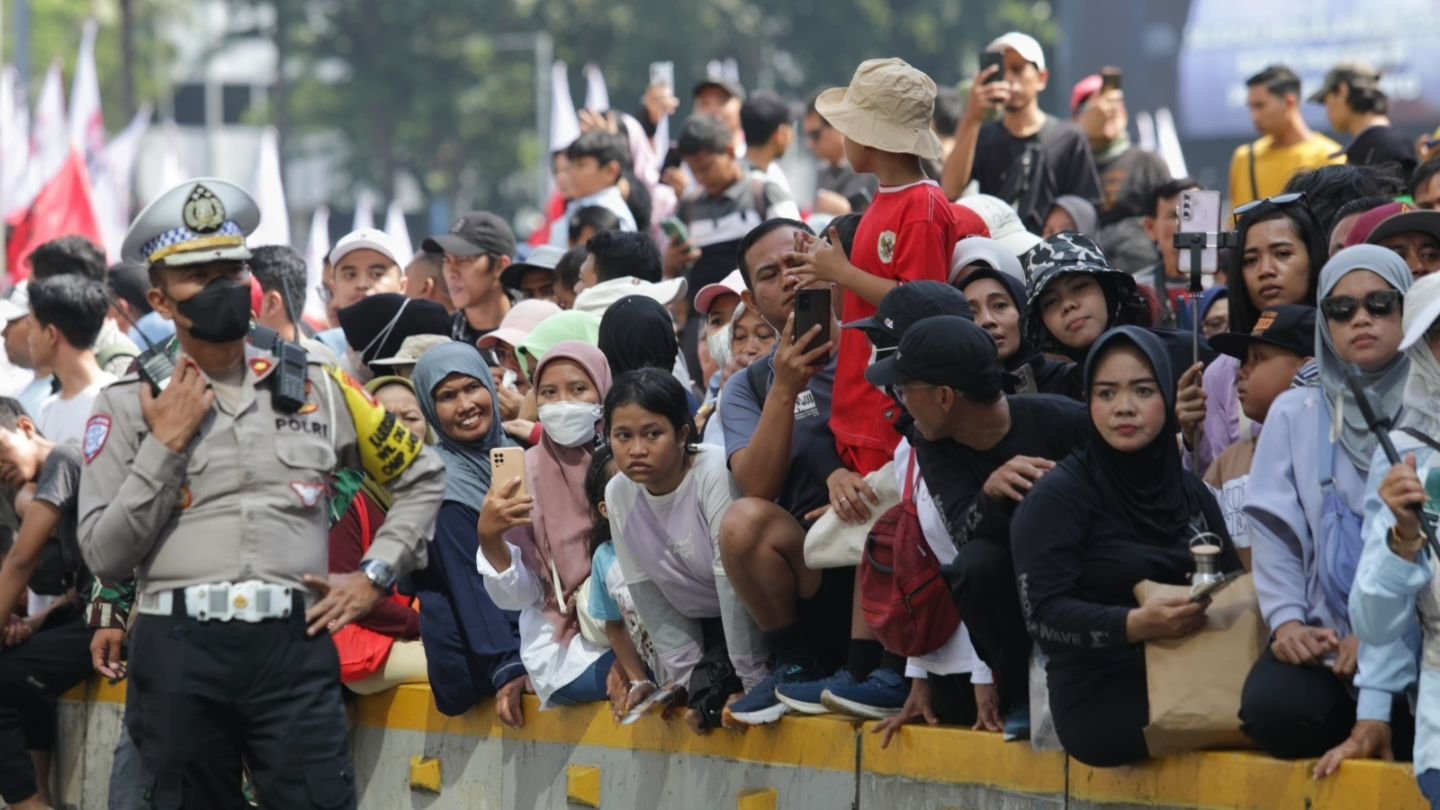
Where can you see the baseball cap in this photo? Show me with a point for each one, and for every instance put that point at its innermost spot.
(731, 88)
(473, 234)
(988, 252)
(1422, 308)
(1083, 90)
(15, 306)
(1003, 223)
(411, 348)
(1291, 327)
(945, 350)
(1023, 44)
(731, 284)
(365, 239)
(519, 321)
(544, 257)
(1406, 220)
(887, 106)
(908, 304)
(1356, 74)
(129, 281)
(597, 299)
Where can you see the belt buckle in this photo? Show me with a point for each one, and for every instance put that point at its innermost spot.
(157, 603)
(210, 602)
(245, 601)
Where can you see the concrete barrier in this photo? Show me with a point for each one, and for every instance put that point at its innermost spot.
(408, 755)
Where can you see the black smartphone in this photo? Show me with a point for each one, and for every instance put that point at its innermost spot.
(812, 308)
(672, 159)
(998, 60)
(1205, 592)
(1111, 78)
(860, 200)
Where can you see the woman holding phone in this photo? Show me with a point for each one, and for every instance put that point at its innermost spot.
(535, 529)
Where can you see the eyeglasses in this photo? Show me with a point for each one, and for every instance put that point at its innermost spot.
(1380, 304)
(1278, 201)
(899, 392)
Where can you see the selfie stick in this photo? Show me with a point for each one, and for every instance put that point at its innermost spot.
(1196, 243)
(1380, 426)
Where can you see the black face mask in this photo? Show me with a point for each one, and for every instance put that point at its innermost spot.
(220, 313)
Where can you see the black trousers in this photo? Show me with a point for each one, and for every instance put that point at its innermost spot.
(952, 697)
(1101, 705)
(32, 676)
(1301, 712)
(206, 693)
(982, 582)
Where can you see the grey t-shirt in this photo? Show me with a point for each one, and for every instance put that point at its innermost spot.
(59, 486)
(812, 446)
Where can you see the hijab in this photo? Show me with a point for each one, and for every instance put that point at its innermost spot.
(1385, 386)
(638, 332)
(1422, 390)
(376, 384)
(1082, 211)
(568, 325)
(1148, 486)
(558, 541)
(1016, 288)
(467, 464)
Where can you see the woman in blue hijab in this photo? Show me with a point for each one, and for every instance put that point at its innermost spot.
(472, 646)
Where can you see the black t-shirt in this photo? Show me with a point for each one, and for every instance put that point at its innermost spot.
(1068, 160)
(1041, 425)
(59, 485)
(1383, 146)
(1126, 181)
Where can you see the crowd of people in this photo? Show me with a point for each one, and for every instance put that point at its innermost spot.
(899, 457)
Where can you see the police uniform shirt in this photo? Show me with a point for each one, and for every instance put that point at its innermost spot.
(247, 500)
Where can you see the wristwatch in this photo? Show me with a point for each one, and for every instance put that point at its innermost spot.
(380, 574)
(1401, 545)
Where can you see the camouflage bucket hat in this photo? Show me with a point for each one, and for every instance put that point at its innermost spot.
(1062, 254)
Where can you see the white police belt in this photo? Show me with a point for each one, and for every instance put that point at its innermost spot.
(250, 601)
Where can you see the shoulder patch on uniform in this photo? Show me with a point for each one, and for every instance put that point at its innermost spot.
(97, 433)
(261, 367)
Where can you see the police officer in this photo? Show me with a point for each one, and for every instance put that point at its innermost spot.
(212, 492)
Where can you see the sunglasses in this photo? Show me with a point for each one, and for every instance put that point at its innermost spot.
(1278, 201)
(1380, 304)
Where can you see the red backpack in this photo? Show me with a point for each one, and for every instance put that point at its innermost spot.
(902, 592)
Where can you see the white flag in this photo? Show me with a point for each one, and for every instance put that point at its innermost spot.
(1145, 124)
(564, 123)
(399, 233)
(14, 138)
(316, 250)
(1169, 142)
(597, 96)
(114, 169)
(173, 171)
(49, 140)
(364, 211)
(87, 124)
(269, 190)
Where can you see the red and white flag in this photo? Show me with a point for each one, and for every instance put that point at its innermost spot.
(316, 250)
(49, 142)
(62, 208)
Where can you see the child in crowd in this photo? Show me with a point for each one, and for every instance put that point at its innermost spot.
(1270, 357)
(630, 678)
(665, 510)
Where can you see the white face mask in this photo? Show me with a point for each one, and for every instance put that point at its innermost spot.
(570, 424)
(719, 346)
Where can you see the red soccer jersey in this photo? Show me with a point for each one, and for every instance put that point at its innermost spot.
(907, 234)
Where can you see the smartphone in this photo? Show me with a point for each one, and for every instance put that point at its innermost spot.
(812, 308)
(664, 694)
(998, 60)
(1200, 213)
(675, 230)
(662, 73)
(672, 159)
(1209, 590)
(507, 463)
(1110, 79)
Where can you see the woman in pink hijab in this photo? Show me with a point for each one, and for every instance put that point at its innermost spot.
(549, 531)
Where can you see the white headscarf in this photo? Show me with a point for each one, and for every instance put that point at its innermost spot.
(1422, 390)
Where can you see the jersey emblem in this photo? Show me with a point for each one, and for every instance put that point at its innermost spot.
(887, 247)
(97, 433)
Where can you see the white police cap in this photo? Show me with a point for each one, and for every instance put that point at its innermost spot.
(200, 220)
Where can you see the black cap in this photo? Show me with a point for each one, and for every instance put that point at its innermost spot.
(945, 350)
(473, 234)
(1291, 327)
(376, 325)
(907, 304)
(544, 257)
(129, 281)
(731, 88)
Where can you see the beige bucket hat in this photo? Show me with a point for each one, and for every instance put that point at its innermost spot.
(887, 106)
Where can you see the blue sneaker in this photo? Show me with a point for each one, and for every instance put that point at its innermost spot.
(882, 695)
(1017, 723)
(804, 696)
(760, 705)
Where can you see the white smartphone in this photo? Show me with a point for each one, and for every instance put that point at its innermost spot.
(1200, 213)
(663, 73)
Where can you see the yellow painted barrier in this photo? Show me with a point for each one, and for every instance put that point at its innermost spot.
(919, 753)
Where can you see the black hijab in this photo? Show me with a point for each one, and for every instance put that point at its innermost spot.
(638, 332)
(1148, 487)
(1048, 374)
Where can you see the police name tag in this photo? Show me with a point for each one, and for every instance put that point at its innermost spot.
(805, 406)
